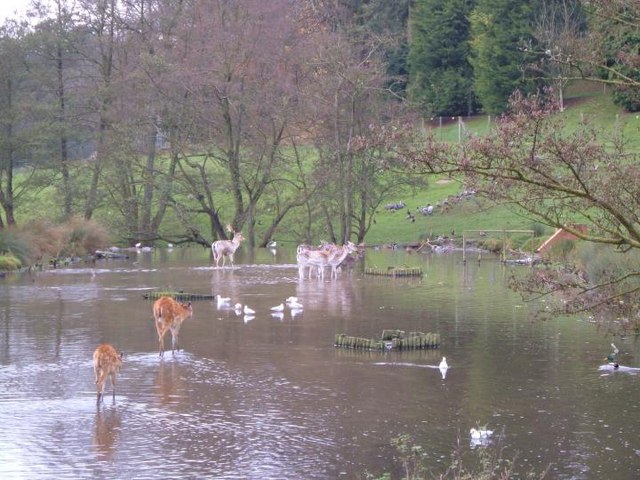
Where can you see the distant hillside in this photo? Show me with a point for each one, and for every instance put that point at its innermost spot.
(585, 102)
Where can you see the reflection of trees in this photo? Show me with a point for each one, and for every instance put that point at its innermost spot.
(106, 431)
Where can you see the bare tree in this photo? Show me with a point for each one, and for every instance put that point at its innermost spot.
(354, 99)
(240, 65)
(559, 28)
(584, 52)
(561, 180)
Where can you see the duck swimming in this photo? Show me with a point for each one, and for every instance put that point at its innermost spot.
(443, 363)
(479, 433)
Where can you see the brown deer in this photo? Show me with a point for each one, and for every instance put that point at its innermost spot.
(106, 362)
(226, 248)
(169, 315)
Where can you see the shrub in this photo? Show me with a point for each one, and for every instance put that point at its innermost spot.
(38, 240)
(562, 249)
(9, 263)
(43, 238)
(83, 237)
(12, 244)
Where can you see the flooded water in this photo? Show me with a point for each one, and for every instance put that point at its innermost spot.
(270, 397)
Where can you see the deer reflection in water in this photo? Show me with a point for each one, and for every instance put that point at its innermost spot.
(106, 431)
(169, 384)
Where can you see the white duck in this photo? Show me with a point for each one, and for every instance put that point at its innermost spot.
(291, 300)
(443, 364)
(278, 308)
(295, 305)
(222, 301)
(248, 311)
(477, 434)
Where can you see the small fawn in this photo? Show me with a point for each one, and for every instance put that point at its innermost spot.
(106, 362)
(169, 315)
(226, 248)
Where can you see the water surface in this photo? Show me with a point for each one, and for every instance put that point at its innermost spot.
(270, 397)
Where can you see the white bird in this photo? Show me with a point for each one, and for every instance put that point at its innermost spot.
(295, 306)
(443, 363)
(248, 311)
(222, 301)
(476, 434)
(271, 244)
(278, 308)
(291, 299)
(138, 245)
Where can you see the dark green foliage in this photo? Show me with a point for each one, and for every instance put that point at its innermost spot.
(627, 45)
(440, 72)
(387, 22)
(500, 29)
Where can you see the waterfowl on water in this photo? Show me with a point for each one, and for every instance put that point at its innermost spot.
(612, 356)
(479, 433)
(443, 363)
(248, 311)
(278, 308)
(222, 301)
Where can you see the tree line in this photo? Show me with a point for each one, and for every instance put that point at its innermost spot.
(151, 115)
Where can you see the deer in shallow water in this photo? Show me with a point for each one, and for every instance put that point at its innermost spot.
(169, 315)
(106, 363)
(226, 248)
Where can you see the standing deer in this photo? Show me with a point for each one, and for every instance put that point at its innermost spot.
(226, 248)
(106, 362)
(169, 315)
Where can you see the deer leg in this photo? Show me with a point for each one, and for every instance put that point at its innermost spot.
(174, 340)
(100, 381)
(161, 345)
(113, 384)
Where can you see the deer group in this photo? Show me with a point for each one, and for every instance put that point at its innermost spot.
(169, 314)
(226, 248)
(326, 255)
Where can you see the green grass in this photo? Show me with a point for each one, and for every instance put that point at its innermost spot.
(586, 102)
(470, 213)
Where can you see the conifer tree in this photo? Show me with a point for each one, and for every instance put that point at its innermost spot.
(499, 30)
(440, 73)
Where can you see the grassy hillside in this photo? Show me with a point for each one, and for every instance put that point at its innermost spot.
(463, 212)
(585, 102)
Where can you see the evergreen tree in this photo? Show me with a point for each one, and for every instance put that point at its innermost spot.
(621, 51)
(499, 30)
(441, 76)
(386, 22)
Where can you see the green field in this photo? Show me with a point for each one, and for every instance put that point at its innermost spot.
(586, 103)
